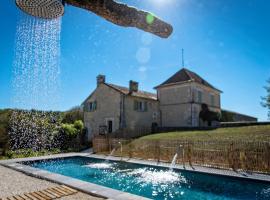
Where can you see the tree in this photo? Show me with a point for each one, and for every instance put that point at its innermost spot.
(72, 115)
(208, 116)
(266, 100)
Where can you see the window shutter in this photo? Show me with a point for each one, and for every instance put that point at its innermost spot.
(145, 106)
(90, 106)
(95, 105)
(199, 96)
(212, 100)
(135, 105)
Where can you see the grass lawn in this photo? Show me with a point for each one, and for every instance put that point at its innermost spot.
(249, 133)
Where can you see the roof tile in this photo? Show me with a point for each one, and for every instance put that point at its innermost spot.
(185, 75)
(140, 94)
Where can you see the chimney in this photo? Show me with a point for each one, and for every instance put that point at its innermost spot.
(133, 86)
(100, 79)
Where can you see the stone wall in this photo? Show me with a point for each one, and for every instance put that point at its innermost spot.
(230, 116)
(180, 104)
(108, 108)
(141, 119)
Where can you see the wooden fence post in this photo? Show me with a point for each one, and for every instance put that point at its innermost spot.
(230, 156)
(268, 157)
(190, 146)
(130, 149)
(157, 151)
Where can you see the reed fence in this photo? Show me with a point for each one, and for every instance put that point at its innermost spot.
(246, 156)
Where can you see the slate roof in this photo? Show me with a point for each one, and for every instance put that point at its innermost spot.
(125, 90)
(184, 75)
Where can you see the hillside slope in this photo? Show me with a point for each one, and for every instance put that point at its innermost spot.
(249, 133)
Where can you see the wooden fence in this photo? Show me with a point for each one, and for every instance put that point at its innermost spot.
(247, 156)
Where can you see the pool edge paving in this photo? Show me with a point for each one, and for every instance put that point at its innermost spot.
(106, 192)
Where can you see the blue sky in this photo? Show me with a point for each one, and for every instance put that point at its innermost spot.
(226, 42)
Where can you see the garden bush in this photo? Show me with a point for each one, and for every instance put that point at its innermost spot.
(75, 114)
(33, 129)
(4, 126)
(23, 132)
(69, 135)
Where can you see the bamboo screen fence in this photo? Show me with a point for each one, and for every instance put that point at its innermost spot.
(247, 156)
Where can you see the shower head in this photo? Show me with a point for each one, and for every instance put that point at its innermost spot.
(47, 9)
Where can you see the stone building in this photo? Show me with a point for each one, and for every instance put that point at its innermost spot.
(231, 116)
(181, 97)
(111, 108)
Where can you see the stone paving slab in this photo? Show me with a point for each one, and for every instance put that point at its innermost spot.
(14, 183)
(83, 186)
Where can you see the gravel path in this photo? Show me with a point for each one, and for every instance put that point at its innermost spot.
(14, 183)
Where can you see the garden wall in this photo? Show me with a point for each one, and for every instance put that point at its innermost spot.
(248, 156)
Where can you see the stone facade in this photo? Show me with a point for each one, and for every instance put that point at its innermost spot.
(137, 120)
(111, 108)
(107, 108)
(180, 104)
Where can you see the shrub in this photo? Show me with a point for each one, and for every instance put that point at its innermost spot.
(78, 125)
(33, 129)
(69, 135)
(72, 116)
(39, 131)
(21, 153)
(207, 115)
(69, 130)
(4, 126)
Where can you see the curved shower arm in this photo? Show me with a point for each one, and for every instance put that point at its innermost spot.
(124, 15)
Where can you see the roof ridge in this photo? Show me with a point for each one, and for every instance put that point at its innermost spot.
(142, 91)
(187, 73)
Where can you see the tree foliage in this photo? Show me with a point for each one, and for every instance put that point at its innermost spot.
(72, 130)
(266, 100)
(33, 129)
(40, 130)
(72, 115)
(4, 125)
(208, 116)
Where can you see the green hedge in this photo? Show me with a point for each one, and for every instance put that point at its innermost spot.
(38, 131)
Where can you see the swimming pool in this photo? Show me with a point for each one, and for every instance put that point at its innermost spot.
(155, 182)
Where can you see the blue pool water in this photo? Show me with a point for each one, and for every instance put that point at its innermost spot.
(156, 182)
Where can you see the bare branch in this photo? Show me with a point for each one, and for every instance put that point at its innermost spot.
(126, 16)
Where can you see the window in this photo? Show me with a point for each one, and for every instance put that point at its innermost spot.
(140, 106)
(199, 96)
(212, 99)
(91, 106)
(155, 114)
